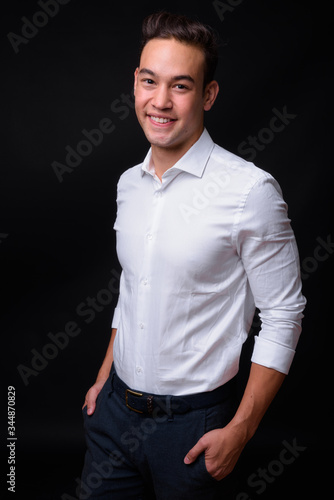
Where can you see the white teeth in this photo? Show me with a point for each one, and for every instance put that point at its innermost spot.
(160, 120)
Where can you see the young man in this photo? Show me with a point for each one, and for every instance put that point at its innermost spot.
(202, 237)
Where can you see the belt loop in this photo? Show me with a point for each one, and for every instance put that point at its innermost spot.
(169, 409)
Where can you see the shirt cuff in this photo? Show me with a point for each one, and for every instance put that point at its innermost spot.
(272, 355)
(116, 317)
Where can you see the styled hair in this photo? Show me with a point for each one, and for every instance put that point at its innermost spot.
(183, 29)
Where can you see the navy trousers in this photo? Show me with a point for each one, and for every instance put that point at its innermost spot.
(135, 456)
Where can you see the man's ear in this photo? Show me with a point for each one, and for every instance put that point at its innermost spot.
(135, 80)
(210, 94)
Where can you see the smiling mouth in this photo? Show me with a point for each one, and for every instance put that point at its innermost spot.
(157, 119)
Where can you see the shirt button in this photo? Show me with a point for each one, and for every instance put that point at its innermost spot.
(141, 326)
(149, 236)
(145, 281)
(139, 370)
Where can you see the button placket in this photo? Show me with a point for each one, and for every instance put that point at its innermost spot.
(139, 370)
(147, 275)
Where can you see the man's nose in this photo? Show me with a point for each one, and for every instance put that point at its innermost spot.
(161, 98)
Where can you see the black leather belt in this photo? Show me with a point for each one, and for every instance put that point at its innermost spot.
(151, 404)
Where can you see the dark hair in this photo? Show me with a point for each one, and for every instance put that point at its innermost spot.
(189, 31)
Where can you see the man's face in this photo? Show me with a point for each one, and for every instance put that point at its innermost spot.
(169, 98)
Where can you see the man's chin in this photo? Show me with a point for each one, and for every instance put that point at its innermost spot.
(161, 140)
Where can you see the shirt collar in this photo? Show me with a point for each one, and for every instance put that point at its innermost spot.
(193, 161)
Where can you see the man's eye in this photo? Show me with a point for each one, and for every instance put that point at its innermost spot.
(180, 86)
(149, 81)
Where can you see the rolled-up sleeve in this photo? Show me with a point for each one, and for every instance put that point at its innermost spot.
(266, 244)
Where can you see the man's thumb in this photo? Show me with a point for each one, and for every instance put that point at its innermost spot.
(90, 408)
(193, 453)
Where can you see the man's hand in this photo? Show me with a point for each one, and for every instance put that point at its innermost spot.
(94, 391)
(91, 396)
(222, 448)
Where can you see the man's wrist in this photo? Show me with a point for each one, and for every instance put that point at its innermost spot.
(244, 426)
(103, 375)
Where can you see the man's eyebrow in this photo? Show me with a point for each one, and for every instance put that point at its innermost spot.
(148, 71)
(174, 78)
(184, 77)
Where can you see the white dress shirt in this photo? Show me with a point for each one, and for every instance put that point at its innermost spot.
(199, 250)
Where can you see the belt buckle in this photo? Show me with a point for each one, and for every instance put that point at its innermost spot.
(139, 394)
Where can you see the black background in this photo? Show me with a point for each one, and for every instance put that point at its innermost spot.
(56, 240)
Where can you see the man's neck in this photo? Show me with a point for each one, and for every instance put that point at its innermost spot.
(165, 158)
